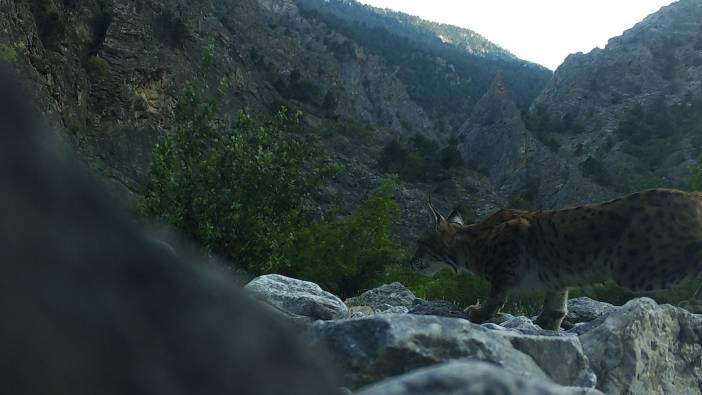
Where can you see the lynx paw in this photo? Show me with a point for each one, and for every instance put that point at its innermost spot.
(476, 314)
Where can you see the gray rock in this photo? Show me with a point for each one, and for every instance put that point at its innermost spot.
(384, 297)
(438, 308)
(372, 348)
(646, 348)
(585, 309)
(94, 306)
(302, 298)
(468, 378)
(561, 357)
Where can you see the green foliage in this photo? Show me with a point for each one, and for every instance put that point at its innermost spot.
(419, 159)
(50, 25)
(539, 123)
(593, 168)
(330, 104)
(97, 67)
(445, 78)
(694, 180)
(349, 254)
(297, 87)
(237, 192)
(8, 53)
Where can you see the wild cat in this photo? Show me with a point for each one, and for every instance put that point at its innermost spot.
(645, 241)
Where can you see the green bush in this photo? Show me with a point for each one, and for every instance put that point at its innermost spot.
(420, 159)
(8, 53)
(97, 67)
(349, 254)
(237, 192)
(694, 180)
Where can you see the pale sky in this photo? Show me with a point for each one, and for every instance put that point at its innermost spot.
(541, 31)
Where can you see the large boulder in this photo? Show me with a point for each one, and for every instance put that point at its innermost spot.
(646, 348)
(469, 378)
(561, 357)
(373, 348)
(92, 305)
(297, 297)
(385, 297)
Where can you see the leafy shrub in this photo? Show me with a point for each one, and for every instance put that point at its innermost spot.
(419, 159)
(594, 169)
(297, 87)
(8, 53)
(50, 26)
(349, 254)
(237, 192)
(694, 180)
(97, 67)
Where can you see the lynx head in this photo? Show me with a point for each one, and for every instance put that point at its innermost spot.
(433, 246)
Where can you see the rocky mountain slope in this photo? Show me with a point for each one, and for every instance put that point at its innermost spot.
(107, 73)
(630, 113)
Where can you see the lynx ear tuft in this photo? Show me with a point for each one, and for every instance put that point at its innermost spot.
(438, 218)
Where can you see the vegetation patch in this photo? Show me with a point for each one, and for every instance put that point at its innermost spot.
(420, 159)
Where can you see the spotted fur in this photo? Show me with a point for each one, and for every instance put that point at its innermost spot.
(645, 241)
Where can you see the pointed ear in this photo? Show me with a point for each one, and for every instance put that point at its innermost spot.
(455, 217)
(437, 216)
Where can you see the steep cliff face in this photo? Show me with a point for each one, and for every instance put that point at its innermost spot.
(108, 72)
(496, 142)
(633, 108)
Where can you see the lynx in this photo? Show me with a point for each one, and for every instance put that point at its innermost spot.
(644, 241)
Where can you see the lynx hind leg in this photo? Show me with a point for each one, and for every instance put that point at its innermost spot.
(553, 311)
(694, 304)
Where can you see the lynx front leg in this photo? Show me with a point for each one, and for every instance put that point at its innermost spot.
(553, 311)
(694, 304)
(490, 307)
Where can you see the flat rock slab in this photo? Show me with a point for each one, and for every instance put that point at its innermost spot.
(646, 348)
(376, 347)
(297, 297)
(384, 298)
(468, 378)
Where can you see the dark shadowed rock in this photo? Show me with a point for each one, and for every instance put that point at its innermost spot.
(298, 297)
(384, 297)
(584, 310)
(92, 306)
(439, 308)
(373, 348)
(468, 378)
(646, 348)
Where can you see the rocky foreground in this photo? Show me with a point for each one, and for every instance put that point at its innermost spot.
(388, 341)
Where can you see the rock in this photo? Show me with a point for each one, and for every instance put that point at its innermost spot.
(468, 378)
(94, 306)
(360, 311)
(372, 348)
(298, 297)
(437, 308)
(526, 326)
(646, 348)
(585, 309)
(384, 297)
(561, 357)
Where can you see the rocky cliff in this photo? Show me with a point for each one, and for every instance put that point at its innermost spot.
(632, 109)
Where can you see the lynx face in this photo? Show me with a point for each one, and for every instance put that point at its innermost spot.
(433, 253)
